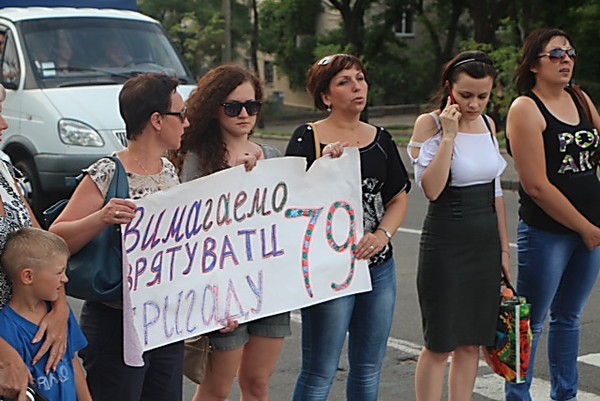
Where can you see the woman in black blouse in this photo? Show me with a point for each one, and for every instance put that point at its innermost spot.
(338, 84)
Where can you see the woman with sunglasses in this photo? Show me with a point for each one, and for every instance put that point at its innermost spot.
(464, 244)
(555, 148)
(223, 111)
(339, 85)
(154, 115)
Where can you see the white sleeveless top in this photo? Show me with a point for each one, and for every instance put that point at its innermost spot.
(476, 158)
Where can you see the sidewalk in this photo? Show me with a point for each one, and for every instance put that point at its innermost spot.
(509, 179)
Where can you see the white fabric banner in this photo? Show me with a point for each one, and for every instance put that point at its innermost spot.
(239, 245)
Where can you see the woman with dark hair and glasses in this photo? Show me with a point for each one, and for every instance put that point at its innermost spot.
(339, 85)
(154, 115)
(223, 111)
(464, 245)
(555, 148)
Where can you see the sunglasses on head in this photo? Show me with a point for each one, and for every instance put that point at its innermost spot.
(233, 109)
(559, 54)
(181, 114)
(328, 59)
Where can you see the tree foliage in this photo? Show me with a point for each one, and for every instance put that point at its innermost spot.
(585, 35)
(287, 30)
(398, 73)
(196, 28)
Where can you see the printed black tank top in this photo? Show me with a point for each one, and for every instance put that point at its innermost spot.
(572, 155)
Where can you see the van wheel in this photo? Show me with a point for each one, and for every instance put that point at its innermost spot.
(32, 189)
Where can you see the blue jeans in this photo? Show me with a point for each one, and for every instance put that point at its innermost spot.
(556, 273)
(367, 317)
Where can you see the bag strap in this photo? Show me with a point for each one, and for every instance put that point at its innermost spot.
(317, 142)
(489, 127)
(583, 102)
(119, 186)
(510, 287)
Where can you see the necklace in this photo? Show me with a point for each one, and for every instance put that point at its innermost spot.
(151, 176)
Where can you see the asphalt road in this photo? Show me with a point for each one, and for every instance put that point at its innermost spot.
(397, 382)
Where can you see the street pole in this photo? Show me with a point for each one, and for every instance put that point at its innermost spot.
(227, 36)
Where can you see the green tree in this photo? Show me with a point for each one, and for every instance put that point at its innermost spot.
(287, 30)
(486, 16)
(353, 22)
(584, 31)
(196, 28)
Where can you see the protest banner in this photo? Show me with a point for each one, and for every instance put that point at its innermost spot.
(239, 245)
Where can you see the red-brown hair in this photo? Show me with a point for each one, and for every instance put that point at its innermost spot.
(323, 71)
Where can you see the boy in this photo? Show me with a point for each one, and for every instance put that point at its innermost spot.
(35, 261)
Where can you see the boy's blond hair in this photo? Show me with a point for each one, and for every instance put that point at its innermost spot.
(31, 247)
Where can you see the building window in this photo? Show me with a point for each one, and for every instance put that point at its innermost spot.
(268, 72)
(405, 25)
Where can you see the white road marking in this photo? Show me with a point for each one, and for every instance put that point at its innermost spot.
(419, 232)
(488, 385)
(590, 359)
(491, 385)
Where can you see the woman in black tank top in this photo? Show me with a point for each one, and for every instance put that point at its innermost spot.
(555, 146)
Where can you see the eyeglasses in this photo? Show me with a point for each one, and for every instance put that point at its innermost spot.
(233, 109)
(559, 54)
(181, 114)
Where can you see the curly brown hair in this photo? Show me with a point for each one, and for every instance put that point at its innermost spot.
(204, 136)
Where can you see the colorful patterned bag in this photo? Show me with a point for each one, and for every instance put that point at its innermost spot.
(509, 357)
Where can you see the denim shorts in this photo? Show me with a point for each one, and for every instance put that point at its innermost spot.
(276, 326)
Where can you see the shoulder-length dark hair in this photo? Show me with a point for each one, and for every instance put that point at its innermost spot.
(534, 45)
(204, 136)
(322, 72)
(475, 64)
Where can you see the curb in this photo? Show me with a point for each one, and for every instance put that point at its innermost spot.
(506, 183)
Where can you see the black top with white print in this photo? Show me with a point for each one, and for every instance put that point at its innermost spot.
(383, 176)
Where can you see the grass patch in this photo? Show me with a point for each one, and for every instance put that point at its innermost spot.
(399, 127)
(260, 132)
(401, 140)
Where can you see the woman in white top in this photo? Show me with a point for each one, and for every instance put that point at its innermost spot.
(464, 245)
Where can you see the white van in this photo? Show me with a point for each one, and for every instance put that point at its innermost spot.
(63, 69)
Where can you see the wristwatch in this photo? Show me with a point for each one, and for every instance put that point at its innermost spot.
(386, 232)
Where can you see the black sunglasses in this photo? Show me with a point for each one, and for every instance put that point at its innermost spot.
(233, 109)
(559, 54)
(181, 114)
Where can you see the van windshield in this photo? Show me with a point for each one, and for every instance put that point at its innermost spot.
(83, 51)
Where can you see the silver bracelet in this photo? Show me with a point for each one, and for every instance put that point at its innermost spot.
(386, 232)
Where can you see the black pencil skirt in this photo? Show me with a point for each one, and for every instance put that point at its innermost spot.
(460, 268)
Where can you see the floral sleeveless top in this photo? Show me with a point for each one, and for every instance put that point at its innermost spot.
(15, 216)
